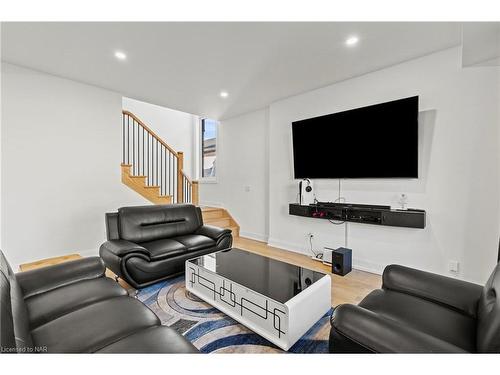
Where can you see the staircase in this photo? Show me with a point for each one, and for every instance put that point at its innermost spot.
(151, 167)
(155, 170)
(220, 217)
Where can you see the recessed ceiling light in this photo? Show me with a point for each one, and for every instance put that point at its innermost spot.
(351, 41)
(120, 55)
(224, 94)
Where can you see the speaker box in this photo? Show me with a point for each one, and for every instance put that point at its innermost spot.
(341, 261)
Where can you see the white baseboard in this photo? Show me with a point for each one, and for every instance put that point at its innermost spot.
(254, 236)
(358, 264)
(89, 253)
(211, 204)
(287, 246)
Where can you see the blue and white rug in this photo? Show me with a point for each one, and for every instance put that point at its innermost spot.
(212, 331)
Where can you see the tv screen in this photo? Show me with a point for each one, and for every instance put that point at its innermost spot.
(378, 141)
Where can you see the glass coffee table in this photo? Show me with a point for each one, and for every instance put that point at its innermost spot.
(276, 300)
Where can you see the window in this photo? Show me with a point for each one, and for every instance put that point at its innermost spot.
(208, 148)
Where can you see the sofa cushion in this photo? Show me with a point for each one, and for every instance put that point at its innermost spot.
(144, 273)
(149, 223)
(196, 241)
(152, 340)
(164, 248)
(48, 306)
(488, 329)
(7, 335)
(431, 318)
(94, 326)
(15, 330)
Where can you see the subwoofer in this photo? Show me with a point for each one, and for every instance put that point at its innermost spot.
(341, 261)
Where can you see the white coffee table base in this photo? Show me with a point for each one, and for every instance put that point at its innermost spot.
(281, 323)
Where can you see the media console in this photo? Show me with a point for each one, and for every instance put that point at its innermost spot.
(361, 213)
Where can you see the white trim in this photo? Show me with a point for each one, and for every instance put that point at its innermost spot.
(211, 204)
(89, 253)
(286, 246)
(358, 264)
(208, 180)
(254, 236)
(211, 179)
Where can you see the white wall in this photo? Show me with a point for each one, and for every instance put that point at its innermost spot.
(458, 186)
(60, 172)
(459, 166)
(242, 183)
(176, 128)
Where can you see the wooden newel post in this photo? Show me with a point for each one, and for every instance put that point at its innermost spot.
(195, 193)
(180, 179)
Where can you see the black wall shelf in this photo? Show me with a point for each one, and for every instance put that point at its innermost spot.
(361, 213)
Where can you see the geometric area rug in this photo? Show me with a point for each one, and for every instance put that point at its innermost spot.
(212, 331)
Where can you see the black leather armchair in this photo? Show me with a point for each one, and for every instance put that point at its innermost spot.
(420, 312)
(147, 244)
(73, 308)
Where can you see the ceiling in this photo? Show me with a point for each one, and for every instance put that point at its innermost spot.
(186, 65)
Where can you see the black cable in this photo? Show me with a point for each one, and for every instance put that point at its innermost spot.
(336, 223)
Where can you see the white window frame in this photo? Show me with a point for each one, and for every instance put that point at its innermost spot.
(211, 179)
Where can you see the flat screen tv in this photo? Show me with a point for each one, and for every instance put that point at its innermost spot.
(377, 141)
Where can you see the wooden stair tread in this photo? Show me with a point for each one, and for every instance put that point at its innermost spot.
(220, 222)
(222, 217)
(208, 209)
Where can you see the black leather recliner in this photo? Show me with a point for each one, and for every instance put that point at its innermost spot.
(421, 312)
(73, 308)
(147, 244)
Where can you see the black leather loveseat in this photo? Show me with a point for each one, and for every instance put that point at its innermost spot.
(73, 308)
(147, 244)
(421, 312)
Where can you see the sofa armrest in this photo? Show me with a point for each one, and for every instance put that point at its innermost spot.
(120, 248)
(456, 294)
(48, 278)
(213, 232)
(381, 335)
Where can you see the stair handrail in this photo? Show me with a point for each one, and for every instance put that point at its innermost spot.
(153, 134)
(185, 188)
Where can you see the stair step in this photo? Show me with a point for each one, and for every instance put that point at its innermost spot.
(235, 231)
(213, 214)
(138, 176)
(151, 187)
(223, 223)
(208, 209)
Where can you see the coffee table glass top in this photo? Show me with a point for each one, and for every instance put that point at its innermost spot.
(269, 277)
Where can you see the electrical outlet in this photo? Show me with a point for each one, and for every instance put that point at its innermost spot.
(247, 188)
(453, 266)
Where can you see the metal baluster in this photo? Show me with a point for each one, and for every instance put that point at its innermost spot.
(174, 179)
(128, 139)
(133, 147)
(142, 152)
(155, 173)
(165, 172)
(149, 175)
(154, 162)
(123, 138)
(169, 171)
(161, 168)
